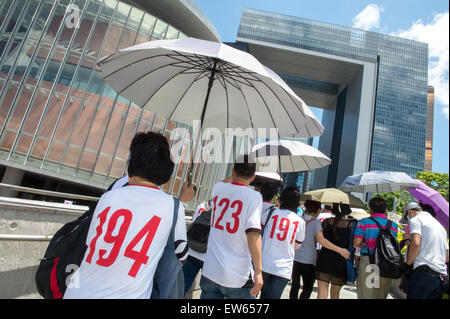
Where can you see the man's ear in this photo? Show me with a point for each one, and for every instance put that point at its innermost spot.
(252, 178)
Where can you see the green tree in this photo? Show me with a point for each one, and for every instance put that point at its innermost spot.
(437, 181)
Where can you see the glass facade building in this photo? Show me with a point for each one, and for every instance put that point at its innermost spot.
(400, 110)
(57, 116)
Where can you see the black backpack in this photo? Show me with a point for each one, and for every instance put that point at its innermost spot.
(66, 248)
(387, 254)
(198, 232)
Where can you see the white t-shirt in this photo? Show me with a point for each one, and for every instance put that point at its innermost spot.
(200, 209)
(236, 210)
(129, 230)
(433, 244)
(282, 231)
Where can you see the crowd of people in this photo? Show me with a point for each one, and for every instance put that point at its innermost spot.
(255, 244)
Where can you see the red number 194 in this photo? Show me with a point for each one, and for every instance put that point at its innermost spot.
(140, 257)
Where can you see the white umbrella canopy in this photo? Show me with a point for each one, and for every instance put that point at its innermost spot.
(378, 182)
(191, 79)
(287, 156)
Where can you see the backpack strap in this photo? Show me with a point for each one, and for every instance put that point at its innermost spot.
(352, 234)
(171, 239)
(377, 223)
(388, 226)
(271, 210)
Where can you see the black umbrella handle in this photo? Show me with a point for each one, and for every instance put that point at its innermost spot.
(191, 177)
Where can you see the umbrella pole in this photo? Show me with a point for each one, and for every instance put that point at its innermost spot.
(202, 117)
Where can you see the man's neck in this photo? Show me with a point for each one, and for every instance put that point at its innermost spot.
(239, 180)
(136, 180)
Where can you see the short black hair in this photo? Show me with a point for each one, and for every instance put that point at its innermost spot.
(150, 158)
(312, 206)
(268, 190)
(290, 198)
(244, 167)
(428, 208)
(378, 205)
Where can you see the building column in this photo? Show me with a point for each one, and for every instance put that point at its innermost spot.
(12, 176)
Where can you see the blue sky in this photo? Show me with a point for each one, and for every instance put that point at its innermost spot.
(424, 21)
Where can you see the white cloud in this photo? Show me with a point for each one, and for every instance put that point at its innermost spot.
(435, 33)
(369, 18)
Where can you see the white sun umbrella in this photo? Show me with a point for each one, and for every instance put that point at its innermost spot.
(222, 87)
(378, 182)
(287, 156)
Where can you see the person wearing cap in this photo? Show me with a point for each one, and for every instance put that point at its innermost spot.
(427, 254)
(366, 234)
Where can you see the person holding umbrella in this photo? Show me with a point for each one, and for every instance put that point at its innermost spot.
(233, 266)
(427, 254)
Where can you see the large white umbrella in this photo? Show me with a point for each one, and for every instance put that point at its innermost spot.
(378, 182)
(222, 87)
(287, 156)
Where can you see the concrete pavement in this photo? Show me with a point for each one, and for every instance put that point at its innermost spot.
(347, 292)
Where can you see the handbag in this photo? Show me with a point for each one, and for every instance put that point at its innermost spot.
(352, 272)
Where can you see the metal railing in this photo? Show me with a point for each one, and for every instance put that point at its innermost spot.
(10, 237)
(48, 193)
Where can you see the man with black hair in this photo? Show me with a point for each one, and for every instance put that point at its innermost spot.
(366, 234)
(130, 228)
(283, 233)
(187, 191)
(268, 191)
(235, 238)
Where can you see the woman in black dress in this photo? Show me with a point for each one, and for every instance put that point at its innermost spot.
(331, 267)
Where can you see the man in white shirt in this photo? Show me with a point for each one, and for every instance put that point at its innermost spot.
(427, 254)
(235, 238)
(283, 233)
(130, 228)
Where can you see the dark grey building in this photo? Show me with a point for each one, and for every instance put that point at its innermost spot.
(372, 87)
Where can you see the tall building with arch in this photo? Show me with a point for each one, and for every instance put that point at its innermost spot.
(372, 88)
